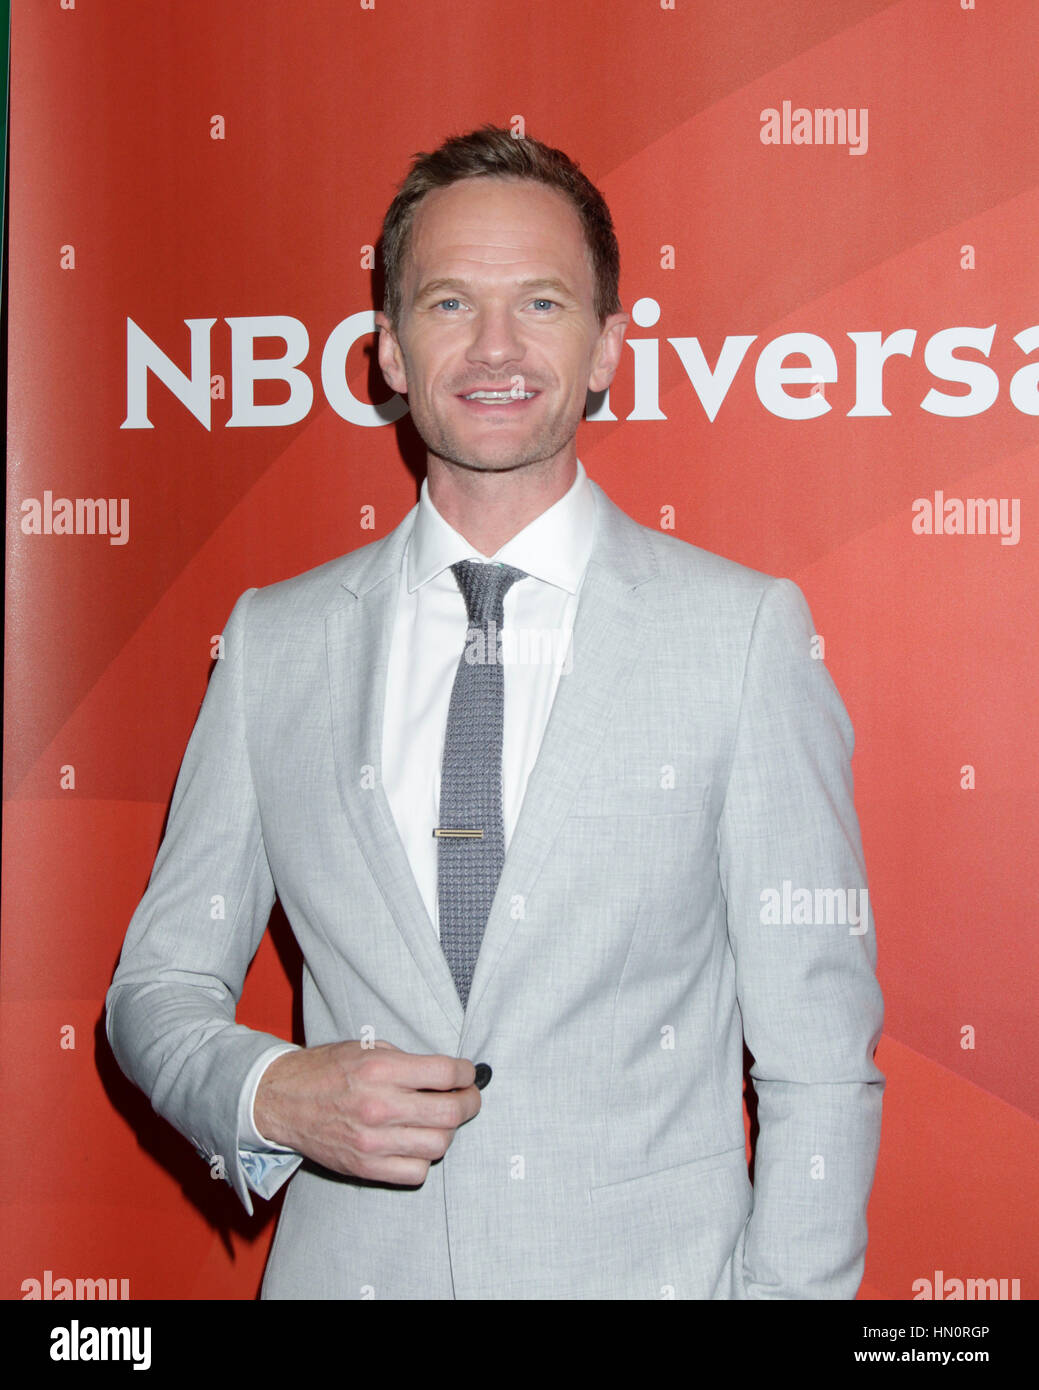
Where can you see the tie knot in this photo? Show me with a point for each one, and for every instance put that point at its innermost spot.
(484, 588)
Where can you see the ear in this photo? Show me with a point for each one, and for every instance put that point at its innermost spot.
(608, 352)
(391, 359)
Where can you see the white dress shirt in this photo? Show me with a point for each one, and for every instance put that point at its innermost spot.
(429, 636)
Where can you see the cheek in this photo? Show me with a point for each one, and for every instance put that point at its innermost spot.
(425, 369)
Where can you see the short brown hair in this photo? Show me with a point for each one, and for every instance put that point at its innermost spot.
(493, 151)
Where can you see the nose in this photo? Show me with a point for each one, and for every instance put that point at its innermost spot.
(496, 340)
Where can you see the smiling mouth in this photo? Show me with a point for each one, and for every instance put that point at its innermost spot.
(499, 397)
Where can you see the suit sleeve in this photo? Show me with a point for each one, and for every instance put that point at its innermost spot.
(802, 935)
(171, 1006)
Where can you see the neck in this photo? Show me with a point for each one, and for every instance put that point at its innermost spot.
(488, 508)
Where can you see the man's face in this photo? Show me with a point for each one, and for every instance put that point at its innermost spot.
(498, 342)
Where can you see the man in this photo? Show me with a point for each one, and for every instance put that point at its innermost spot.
(552, 868)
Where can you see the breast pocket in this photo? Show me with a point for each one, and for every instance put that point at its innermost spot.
(651, 843)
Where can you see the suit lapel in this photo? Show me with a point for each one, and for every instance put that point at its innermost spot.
(358, 634)
(607, 645)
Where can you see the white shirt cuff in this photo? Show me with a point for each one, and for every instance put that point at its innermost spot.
(267, 1166)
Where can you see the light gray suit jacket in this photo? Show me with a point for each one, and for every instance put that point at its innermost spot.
(693, 786)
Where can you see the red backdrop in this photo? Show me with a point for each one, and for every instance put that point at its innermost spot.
(911, 210)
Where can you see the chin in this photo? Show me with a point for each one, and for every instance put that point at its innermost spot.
(497, 456)
(494, 462)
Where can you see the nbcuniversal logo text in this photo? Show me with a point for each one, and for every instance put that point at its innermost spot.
(775, 370)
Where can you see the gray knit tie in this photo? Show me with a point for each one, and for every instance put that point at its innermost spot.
(471, 833)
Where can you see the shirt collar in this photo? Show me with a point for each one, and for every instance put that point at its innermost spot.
(554, 547)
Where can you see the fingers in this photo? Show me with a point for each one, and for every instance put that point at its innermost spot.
(376, 1112)
(378, 1105)
(408, 1108)
(420, 1072)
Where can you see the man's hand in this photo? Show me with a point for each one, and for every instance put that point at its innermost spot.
(371, 1112)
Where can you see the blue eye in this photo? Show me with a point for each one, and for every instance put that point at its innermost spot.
(449, 304)
(544, 303)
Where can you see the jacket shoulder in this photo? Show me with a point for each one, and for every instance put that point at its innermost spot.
(642, 553)
(318, 591)
(684, 562)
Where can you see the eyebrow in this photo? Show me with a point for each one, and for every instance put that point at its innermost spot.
(536, 283)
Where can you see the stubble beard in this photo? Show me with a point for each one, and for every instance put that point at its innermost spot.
(443, 444)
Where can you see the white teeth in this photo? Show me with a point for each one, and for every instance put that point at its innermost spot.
(499, 396)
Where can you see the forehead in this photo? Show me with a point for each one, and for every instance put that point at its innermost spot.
(498, 226)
